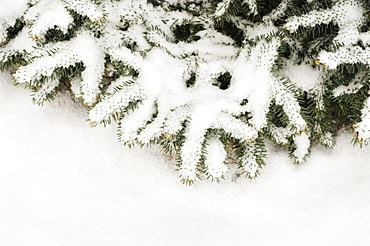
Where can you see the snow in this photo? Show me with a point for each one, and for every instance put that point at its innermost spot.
(362, 128)
(162, 80)
(302, 143)
(222, 7)
(351, 88)
(41, 23)
(348, 14)
(297, 74)
(215, 158)
(85, 7)
(63, 183)
(9, 13)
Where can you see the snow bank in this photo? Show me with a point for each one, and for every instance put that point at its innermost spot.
(65, 184)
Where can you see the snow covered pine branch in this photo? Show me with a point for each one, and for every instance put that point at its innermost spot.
(211, 81)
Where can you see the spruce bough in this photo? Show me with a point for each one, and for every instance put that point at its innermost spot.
(210, 81)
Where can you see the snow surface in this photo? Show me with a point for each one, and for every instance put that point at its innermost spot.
(63, 183)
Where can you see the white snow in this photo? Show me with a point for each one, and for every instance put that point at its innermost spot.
(302, 143)
(43, 17)
(348, 14)
(9, 13)
(63, 183)
(85, 7)
(362, 127)
(216, 156)
(351, 88)
(297, 74)
(222, 7)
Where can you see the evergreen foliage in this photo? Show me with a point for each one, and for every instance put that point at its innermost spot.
(209, 80)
